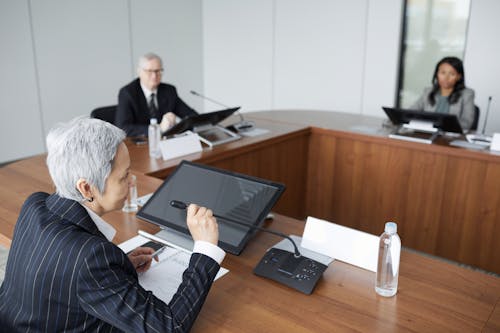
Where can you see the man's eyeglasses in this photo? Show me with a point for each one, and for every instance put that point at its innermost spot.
(155, 71)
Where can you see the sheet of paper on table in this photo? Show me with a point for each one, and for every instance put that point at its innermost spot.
(165, 276)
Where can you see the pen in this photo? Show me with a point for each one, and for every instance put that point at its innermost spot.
(156, 253)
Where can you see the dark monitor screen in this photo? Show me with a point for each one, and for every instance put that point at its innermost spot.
(234, 196)
(202, 119)
(443, 121)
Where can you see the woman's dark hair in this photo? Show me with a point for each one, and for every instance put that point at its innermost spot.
(459, 86)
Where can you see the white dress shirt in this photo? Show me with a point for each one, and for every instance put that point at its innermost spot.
(148, 93)
(206, 248)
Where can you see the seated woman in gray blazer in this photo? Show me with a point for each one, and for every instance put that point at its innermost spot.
(448, 93)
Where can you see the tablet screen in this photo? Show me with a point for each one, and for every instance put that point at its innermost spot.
(230, 195)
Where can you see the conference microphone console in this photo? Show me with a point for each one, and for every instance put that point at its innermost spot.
(289, 268)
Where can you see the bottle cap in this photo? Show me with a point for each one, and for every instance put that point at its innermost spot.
(391, 227)
(153, 121)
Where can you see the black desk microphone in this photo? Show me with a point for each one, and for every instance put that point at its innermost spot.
(486, 116)
(481, 139)
(291, 269)
(243, 125)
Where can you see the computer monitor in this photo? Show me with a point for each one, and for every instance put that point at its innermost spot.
(441, 121)
(231, 195)
(200, 120)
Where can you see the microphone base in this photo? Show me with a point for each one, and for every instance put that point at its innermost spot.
(282, 266)
(480, 139)
(242, 126)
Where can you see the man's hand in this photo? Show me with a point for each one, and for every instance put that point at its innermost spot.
(202, 224)
(141, 258)
(167, 121)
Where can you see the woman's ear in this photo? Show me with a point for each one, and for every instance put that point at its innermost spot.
(85, 189)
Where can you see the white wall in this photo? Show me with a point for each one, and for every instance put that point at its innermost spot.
(61, 59)
(319, 54)
(74, 44)
(482, 67)
(383, 33)
(302, 54)
(238, 49)
(173, 30)
(20, 128)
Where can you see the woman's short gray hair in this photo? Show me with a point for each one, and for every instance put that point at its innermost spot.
(81, 148)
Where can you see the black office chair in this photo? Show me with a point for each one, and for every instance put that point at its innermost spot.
(473, 127)
(106, 113)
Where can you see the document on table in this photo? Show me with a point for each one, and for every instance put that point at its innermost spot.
(164, 277)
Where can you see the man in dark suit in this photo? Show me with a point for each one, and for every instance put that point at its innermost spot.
(63, 272)
(146, 97)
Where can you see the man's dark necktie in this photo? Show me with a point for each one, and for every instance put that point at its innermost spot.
(152, 107)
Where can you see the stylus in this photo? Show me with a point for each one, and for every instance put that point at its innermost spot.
(181, 205)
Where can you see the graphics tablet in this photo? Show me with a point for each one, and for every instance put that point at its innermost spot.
(443, 121)
(228, 194)
(200, 120)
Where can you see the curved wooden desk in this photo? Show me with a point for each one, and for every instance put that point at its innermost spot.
(433, 295)
(343, 168)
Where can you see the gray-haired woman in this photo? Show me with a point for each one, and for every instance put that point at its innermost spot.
(64, 273)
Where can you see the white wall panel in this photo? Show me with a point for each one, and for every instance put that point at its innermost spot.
(238, 41)
(382, 52)
(482, 68)
(173, 30)
(20, 129)
(319, 54)
(82, 53)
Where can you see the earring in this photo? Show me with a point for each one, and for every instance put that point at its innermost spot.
(90, 199)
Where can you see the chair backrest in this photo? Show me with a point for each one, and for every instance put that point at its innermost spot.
(106, 113)
(473, 127)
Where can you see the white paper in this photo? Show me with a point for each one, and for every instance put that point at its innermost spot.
(165, 276)
(342, 243)
(180, 146)
(141, 201)
(132, 243)
(495, 142)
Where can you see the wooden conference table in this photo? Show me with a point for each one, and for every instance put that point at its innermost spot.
(433, 295)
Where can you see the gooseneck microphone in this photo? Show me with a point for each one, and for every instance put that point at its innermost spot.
(243, 125)
(183, 206)
(208, 99)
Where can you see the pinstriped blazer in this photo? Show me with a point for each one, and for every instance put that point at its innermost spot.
(62, 274)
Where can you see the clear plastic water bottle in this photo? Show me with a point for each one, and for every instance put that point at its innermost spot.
(388, 261)
(154, 138)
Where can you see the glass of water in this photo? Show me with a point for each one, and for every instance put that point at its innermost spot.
(130, 205)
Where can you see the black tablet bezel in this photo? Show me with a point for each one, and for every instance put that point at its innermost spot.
(443, 121)
(236, 250)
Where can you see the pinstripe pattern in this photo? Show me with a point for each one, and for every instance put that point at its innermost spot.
(63, 275)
